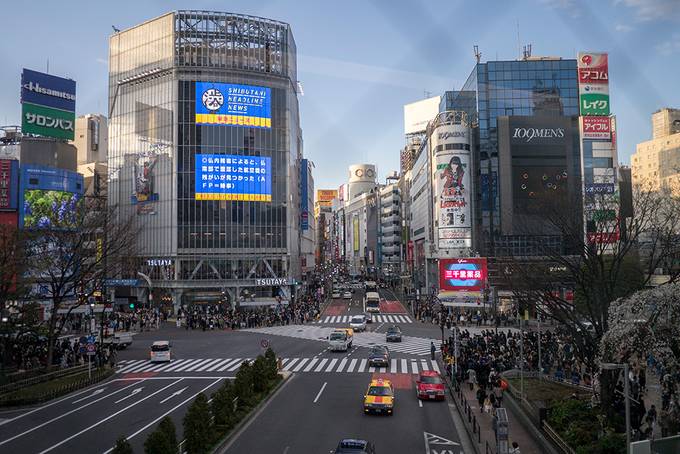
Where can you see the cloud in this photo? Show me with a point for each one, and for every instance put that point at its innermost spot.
(649, 10)
(101, 61)
(570, 6)
(623, 28)
(670, 46)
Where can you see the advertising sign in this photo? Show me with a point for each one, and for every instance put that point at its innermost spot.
(418, 114)
(595, 128)
(232, 177)
(46, 121)
(325, 196)
(9, 179)
(593, 83)
(467, 274)
(452, 184)
(304, 195)
(48, 197)
(488, 205)
(600, 188)
(47, 90)
(355, 233)
(233, 105)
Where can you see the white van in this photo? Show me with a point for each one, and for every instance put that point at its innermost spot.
(160, 352)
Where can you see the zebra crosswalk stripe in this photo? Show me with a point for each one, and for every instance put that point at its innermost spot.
(214, 366)
(311, 364)
(290, 364)
(199, 364)
(362, 365)
(342, 365)
(228, 364)
(321, 364)
(352, 364)
(332, 363)
(300, 364)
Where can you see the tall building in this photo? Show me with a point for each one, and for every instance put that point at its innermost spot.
(91, 138)
(389, 238)
(307, 219)
(656, 163)
(205, 147)
(533, 87)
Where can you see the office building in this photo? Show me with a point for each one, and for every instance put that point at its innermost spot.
(204, 149)
(389, 238)
(91, 138)
(656, 163)
(307, 219)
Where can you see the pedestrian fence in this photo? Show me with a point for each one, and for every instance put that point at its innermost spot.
(41, 377)
(556, 440)
(469, 417)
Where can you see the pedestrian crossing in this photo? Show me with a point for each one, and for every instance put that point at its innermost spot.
(331, 319)
(409, 344)
(229, 366)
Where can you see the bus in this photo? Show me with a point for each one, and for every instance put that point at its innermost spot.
(372, 302)
(370, 286)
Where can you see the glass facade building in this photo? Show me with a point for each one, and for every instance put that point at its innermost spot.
(531, 87)
(191, 248)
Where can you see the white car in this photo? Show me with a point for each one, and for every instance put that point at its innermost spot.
(336, 295)
(347, 295)
(358, 323)
(160, 352)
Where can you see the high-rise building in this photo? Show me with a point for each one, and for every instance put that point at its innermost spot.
(91, 138)
(656, 163)
(307, 220)
(205, 147)
(532, 87)
(389, 238)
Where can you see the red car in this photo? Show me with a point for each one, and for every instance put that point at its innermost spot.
(430, 386)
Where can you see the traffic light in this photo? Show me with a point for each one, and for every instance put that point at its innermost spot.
(132, 305)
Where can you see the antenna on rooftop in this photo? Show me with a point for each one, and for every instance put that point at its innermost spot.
(427, 94)
(526, 52)
(478, 54)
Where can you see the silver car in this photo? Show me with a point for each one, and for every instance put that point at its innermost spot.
(358, 323)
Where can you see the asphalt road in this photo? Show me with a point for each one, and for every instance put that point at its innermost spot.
(141, 393)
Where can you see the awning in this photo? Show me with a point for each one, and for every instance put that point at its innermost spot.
(461, 299)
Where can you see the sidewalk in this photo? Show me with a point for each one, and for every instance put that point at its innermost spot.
(479, 425)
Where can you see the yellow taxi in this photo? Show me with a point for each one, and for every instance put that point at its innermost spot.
(379, 397)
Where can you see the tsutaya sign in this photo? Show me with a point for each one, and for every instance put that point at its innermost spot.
(267, 281)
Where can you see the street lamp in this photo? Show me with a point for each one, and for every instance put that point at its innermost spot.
(624, 366)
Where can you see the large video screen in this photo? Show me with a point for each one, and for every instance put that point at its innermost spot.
(233, 105)
(50, 209)
(232, 177)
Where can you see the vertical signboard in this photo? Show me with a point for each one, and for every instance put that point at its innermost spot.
(304, 195)
(452, 181)
(593, 83)
(596, 128)
(355, 233)
(9, 182)
(48, 105)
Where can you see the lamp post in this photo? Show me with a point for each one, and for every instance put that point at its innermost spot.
(624, 366)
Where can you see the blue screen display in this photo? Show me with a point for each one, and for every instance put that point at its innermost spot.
(232, 177)
(233, 105)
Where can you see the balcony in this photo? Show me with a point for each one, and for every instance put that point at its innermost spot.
(390, 219)
(389, 250)
(390, 228)
(390, 238)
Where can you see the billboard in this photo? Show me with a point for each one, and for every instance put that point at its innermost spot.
(47, 90)
(467, 274)
(48, 197)
(452, 185)
(233, 177)
(233, 105)
(9, 184)
(304, 194)
(46, 121)
(355, 233)
(595, 128)
(593, 83)
(324, 197)
(418, 114)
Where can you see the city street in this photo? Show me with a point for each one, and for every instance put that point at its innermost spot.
(320, 405)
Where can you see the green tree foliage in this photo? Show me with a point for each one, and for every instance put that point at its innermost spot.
(163, 440)
(198, 428)
(222, 405)
(243, 384)
(271, 364)
(259, 374)
(122, 446)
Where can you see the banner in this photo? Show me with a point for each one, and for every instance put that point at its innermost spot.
(233, 105)
(466, 274)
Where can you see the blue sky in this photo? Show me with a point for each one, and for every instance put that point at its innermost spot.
(360, 61)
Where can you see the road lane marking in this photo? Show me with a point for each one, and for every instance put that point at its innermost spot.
(362, 365)
(134, 365)
(301, 364)
(290, 363)
(420, 403)
(321, 364)
(330, 366)
(182, 363)
(237, 365)
(393, 366)
(352, 363)
(228, 364)
(176, 393)
(66, 440)
(218, 364)
(168, 412)
(160, 367)
(67, 413)
(316, 399)
(414, 366)
(96, 391)
(423, 365)
(342, 365)
(210, 364)
(435, 366)
(404, 366)
(371, 369)
(311, 364)
(134, 392)
(197, 365)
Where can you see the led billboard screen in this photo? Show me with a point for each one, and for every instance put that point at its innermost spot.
(233, 105)
(9, 177)
(467, 274)
(232, 177)
(45, 209)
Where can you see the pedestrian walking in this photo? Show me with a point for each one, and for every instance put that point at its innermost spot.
(433, 350)
(514, 449)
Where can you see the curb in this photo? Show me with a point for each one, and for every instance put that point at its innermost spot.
(225, 443)
(525, 420)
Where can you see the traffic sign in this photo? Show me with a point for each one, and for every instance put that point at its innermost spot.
(91, 349)
(90, 339)
(264, 343)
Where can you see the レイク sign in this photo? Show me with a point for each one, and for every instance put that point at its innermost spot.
(468, 274)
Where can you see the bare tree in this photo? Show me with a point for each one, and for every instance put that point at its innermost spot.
(85, 242)
(616, 258)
